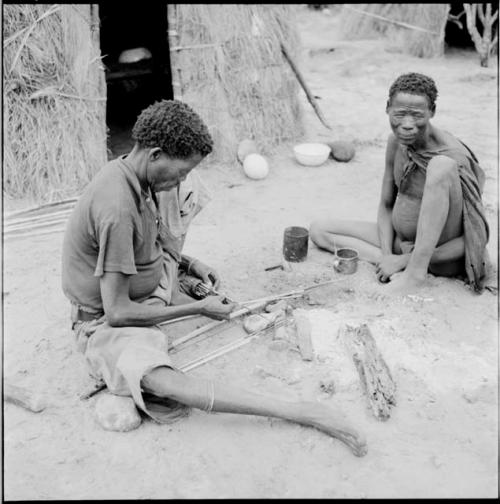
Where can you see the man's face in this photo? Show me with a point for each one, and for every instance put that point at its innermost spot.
(165, 173)
(409, 116)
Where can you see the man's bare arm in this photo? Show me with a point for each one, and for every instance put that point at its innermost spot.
(121, 311)
(387, 199)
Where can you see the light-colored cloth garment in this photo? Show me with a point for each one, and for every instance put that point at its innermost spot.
(177, 208)
(122, 356)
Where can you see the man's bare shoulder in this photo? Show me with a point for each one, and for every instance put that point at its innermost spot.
(393, 147)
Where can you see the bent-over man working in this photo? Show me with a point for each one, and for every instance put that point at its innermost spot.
(430, 216)
(121, 266)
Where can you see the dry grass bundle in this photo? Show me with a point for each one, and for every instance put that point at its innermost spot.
(233, 73)
(418, 28)
(54, 101)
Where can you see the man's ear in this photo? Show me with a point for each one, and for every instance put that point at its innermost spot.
(387, 105)
(433, 110)
(154, 153)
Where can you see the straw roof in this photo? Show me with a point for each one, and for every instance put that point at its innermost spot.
(54, 100)
(233, 73)
(226, 63)
(418, 28)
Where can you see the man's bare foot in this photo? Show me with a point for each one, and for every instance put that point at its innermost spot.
(402, 284)
(323, 418)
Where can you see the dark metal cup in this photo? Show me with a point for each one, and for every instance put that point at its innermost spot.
(295, 243)
(346, 261)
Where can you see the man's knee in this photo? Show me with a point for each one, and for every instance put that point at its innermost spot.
(442, 171)
(317, 231)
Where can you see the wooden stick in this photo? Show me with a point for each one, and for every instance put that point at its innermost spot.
(37, 218)
(233, 345)
(41, 207)
(302, 82)
(95, 390)
(29, 235)
(294, 293)
(400, 23)
(179, 319)
(212, 325)
(28, 227)
(218, 353)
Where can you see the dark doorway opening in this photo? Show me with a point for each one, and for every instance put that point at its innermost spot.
(136, 57)
(456, 33)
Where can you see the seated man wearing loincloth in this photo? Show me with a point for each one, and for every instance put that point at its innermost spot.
(122, 266)
(430, 216)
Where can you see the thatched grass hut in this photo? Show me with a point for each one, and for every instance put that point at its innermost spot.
(54, 99)
(224, 60)
(418, 28)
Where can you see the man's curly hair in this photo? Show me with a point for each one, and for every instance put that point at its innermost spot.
(415, 83)
(175, 128)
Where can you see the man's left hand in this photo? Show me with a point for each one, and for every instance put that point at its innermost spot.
(205, 273)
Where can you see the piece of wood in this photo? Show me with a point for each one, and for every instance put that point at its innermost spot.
(24, 397)
(375, 376)
(304, 342)
(304, 86)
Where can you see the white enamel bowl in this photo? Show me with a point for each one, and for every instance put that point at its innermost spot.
(311, 154)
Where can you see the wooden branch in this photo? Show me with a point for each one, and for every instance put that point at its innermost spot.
(482, 43)
(480, 11)
(399, 23)
(302, 82)
(373, 371)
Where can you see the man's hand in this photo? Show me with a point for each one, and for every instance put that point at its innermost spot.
(390, 264)
(205, 273)
(216, 307)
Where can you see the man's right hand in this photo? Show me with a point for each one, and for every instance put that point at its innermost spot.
(390, 264)
(217, 307)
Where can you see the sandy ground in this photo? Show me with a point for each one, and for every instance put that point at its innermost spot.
(442, 348)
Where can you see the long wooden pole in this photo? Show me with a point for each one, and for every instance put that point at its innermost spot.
(305, 87)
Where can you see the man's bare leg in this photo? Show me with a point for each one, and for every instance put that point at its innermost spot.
(330, 234)
(168, 383)
(439, 221)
